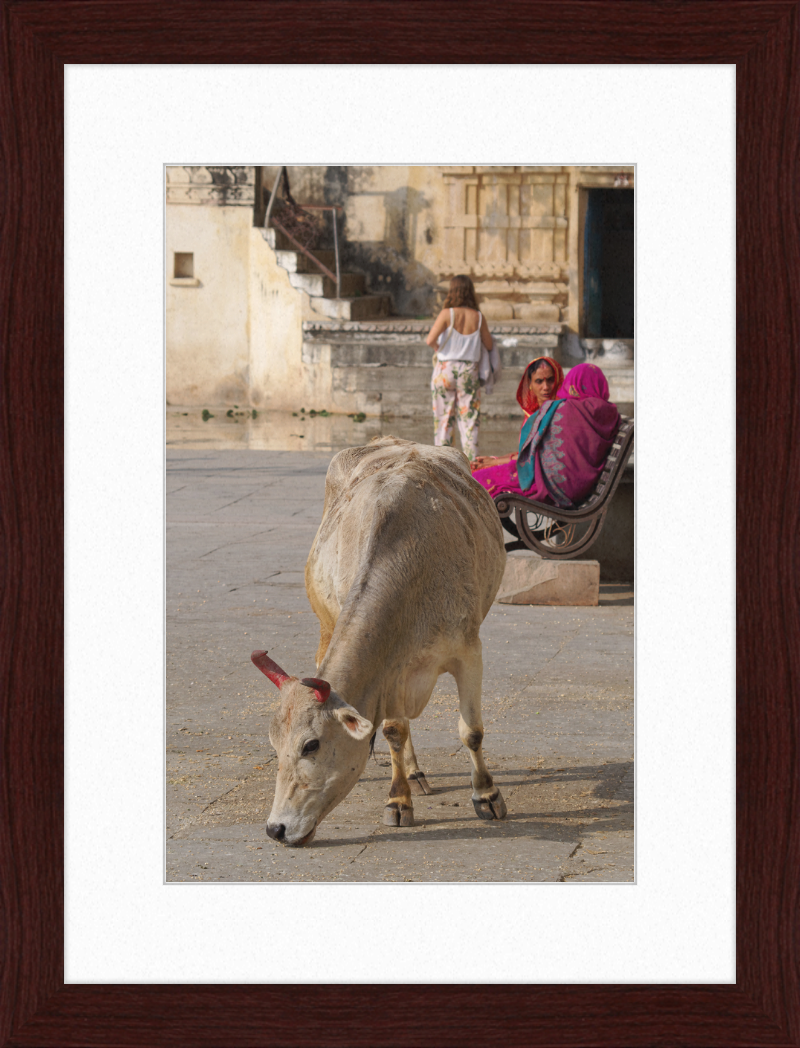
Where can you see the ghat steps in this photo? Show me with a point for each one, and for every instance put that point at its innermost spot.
(384, 367)
(354, 303)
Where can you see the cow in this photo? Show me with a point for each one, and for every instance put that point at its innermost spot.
(403, 570)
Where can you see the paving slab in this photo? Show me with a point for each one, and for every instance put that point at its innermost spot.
(557, 705)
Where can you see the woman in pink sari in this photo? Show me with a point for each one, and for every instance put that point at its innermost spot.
(564, 442)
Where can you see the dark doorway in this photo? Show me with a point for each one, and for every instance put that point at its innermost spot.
(608, 264)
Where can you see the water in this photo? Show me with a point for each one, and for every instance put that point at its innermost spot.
(230, 428)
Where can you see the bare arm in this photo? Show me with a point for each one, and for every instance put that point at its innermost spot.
(440, 324)
(484, 461)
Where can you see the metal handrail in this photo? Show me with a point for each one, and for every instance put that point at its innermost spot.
(333, 208)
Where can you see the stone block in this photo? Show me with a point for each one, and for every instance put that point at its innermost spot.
(537, 311)
(497, 310)
(530, 579)
(620, 384)
(354, 308)
(415, 381)
(374, 354)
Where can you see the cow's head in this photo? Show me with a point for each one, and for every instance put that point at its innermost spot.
(321, 743)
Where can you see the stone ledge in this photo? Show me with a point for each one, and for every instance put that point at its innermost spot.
(406, 351)
(219, 186)
(355, 328)
(530, 579)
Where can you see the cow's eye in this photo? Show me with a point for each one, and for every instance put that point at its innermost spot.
(310, 747)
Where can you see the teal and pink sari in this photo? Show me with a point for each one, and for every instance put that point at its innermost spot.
(563, 446)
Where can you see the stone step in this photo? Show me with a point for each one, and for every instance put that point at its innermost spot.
(364, 307)
(406, 352)
(411, 388)
(620, 384)
(376, 379)
(391, 400)
(296, 262)
(277, 240)
(319, 286)
(400, 354)
(529, 579)
(417, 356)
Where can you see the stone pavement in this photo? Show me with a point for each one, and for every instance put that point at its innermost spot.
(558, 708)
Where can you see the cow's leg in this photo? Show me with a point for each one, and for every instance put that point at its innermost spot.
(416, 778)
(399, 810)
(486, 797)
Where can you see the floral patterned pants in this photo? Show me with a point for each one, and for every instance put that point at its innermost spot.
(456, 393)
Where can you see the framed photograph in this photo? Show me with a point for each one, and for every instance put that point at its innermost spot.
(298, 304)
(45, 1007)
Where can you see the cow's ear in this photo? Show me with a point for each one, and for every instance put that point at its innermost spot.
(356, 725)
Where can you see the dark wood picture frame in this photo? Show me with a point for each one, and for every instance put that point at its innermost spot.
(763, 40)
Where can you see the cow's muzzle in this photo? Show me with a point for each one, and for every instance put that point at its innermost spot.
(277, 831)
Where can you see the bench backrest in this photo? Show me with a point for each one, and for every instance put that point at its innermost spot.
(615, 463)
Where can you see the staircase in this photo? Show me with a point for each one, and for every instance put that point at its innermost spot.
(355, 302)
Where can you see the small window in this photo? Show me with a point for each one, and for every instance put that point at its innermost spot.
(184, 264)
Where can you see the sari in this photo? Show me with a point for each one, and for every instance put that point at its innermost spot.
(563, 445)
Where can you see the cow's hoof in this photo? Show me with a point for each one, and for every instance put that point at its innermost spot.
(398, 815)
(419, 783)
(491, 807)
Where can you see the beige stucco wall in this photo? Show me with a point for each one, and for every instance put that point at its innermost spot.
(277, 374)
(234, 333)
(207, 334)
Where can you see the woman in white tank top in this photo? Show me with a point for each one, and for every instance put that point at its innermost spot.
(459, 333)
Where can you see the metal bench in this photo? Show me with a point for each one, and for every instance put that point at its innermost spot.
(566, 532)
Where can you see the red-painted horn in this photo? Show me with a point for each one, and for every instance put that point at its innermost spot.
(321, 687)
(270, 668)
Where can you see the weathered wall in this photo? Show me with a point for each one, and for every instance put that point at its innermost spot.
(515, 230)
(207, 318)
(277, 373)
(233, 329)
(389, 225)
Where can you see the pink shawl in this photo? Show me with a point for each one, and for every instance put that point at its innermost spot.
(574, 451)
(570, 455)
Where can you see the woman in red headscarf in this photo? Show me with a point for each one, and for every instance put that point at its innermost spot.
(542, 377)
(565, 440)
